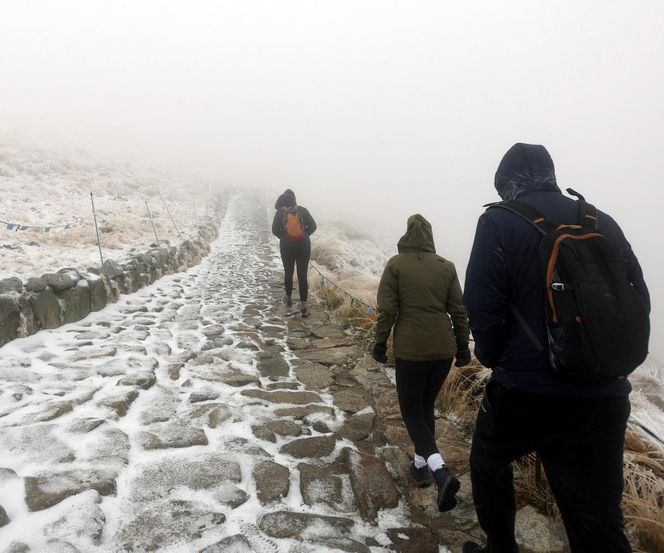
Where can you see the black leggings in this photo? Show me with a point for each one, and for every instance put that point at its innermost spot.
(418, 384)
(292, 254)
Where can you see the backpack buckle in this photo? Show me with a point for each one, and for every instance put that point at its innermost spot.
(558, 286)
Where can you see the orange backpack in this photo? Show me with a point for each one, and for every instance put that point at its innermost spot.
(293, 225)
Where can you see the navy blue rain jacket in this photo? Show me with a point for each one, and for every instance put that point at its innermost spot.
(504, 268)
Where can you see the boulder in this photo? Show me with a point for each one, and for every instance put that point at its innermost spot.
(58, 282)
(10, 317)
(35, 284)
(75, 303)
(537, 533)
(11, 285)
(98, 293)
(4, 519)
(46, 308)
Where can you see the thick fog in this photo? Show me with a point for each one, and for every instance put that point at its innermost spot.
(369, 110)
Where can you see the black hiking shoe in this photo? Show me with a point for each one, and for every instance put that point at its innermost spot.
(288, 301)
(448, 486)
(472, 547)
(422, 476)
(304, 310)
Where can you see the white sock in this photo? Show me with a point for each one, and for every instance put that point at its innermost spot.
(419, 462)
(435, 462)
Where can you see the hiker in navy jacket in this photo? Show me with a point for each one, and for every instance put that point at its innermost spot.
(294, 252)
(578, 429)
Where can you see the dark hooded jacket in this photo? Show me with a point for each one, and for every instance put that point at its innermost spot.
(504, 269)
(284, 201)
(420, 295)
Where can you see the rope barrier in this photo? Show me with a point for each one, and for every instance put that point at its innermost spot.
(353, 299)
(45, 228)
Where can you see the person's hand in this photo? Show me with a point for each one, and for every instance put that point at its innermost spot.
(462, 355)
(380, 353)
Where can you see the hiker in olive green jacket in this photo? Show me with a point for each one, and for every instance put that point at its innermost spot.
(420, 295)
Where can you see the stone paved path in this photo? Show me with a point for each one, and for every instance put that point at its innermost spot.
(201, 415)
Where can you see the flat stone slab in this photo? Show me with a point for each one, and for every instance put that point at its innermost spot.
(284, 396)
(206, 471)
(328, 331)
(287, 524)
(165, 523)
(303, 412)
(230, 495)
(274, 366)
(209, 414)
(120, 402)
(413, 540)
(239, 379)
(314, 447)
(172, 436)
(358, 426)
(331, 356)
(319, 485)
(203, 395)
(372, 484)
(272, 481)
(44, 491)
(142, 379)
(314, 375)
(351, 400)
(284, 427)
(232, 544)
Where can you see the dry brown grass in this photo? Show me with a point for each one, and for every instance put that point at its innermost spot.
(643, 500)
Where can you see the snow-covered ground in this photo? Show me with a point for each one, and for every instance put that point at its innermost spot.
(51, 188)
(141, 414)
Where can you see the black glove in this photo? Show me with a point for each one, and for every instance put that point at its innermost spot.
(380, 352)
(462, 355)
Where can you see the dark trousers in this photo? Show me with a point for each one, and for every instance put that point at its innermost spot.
(294, 254)
(418, 384)
(580, 442)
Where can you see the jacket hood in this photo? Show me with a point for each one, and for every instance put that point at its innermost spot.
(287, 199)
(525, 168)
(418, 237)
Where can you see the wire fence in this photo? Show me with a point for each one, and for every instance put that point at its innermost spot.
(354, 301)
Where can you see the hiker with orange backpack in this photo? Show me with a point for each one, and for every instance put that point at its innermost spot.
(293, 225)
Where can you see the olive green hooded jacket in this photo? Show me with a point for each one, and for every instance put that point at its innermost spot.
(420, 295)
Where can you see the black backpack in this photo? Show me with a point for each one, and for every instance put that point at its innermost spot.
(597, 324)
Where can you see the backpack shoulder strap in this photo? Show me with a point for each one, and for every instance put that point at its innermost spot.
(527, 212)
(586, 213)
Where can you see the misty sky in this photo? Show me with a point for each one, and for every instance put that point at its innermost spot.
(369, 110)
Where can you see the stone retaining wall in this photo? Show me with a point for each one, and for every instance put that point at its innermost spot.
(55, 299)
